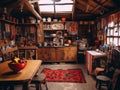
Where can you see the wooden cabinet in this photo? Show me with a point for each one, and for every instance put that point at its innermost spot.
(28, 52)
(29, 34)
(58, 54)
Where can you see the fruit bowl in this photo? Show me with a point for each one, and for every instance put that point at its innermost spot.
(16, 67)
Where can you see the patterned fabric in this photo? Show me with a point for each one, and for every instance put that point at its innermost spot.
(59, 75)
(72, 27)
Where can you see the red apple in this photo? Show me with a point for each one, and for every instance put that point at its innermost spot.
(21, 61)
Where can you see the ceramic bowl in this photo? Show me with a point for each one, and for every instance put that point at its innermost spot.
(16, 67)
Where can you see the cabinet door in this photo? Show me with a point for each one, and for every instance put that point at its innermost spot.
(52, 52)
(39, 53)
(70, 53)
(66, 53)
(44, 54)
(60, 54)
(73, 54)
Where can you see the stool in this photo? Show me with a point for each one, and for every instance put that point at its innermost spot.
(38, 80)
(102, 80)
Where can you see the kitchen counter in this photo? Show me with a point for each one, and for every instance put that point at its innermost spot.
(55, 46)
(58, 53)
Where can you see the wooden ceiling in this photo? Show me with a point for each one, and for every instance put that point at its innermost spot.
(91, 9)
(88, 9)
(82, 9)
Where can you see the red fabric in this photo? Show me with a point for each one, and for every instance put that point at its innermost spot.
(59, 75)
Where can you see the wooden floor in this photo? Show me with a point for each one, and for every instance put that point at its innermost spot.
(89, 85)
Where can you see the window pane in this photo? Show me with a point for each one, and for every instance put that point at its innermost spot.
(47, 8)
(111, 32)
(111, 40)
(59, 6)
(108, 32)
(111, 24)
(115, 31)
(45, 2)
(108, 40)
(115, 41)
(63, 8)
(64, 1)
(119, 42)
(119, 31)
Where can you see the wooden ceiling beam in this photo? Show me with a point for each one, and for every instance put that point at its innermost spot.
(87, 7)
(99, 6)
(36, 6)
(17, 4)
(73, 10)
(81, 12)
(57, 4)
(31, 9)
(81, 8)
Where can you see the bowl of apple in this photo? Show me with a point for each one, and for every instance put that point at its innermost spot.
(17, 64)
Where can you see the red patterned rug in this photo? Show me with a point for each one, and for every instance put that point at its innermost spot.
(59, 75)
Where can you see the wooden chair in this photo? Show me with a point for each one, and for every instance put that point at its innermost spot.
(38, 80)
(102, 80)
(109, 71)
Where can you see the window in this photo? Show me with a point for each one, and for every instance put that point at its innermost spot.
(113, 32)
(61, 6)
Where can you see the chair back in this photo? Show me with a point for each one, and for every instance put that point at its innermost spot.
(115, 63)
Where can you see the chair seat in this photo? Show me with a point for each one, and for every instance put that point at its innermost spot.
(38, 78)
(102, 81)
(103, 78)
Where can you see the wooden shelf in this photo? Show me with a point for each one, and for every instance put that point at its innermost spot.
(9, 50)
(7, 21)
(54, 29)
(28, 47)
(25, 24)
(52, 22)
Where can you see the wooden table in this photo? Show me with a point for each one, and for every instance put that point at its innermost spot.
(90, 58)
(7, 77)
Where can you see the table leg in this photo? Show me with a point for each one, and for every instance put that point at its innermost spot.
(25, 86)
(11, 87)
